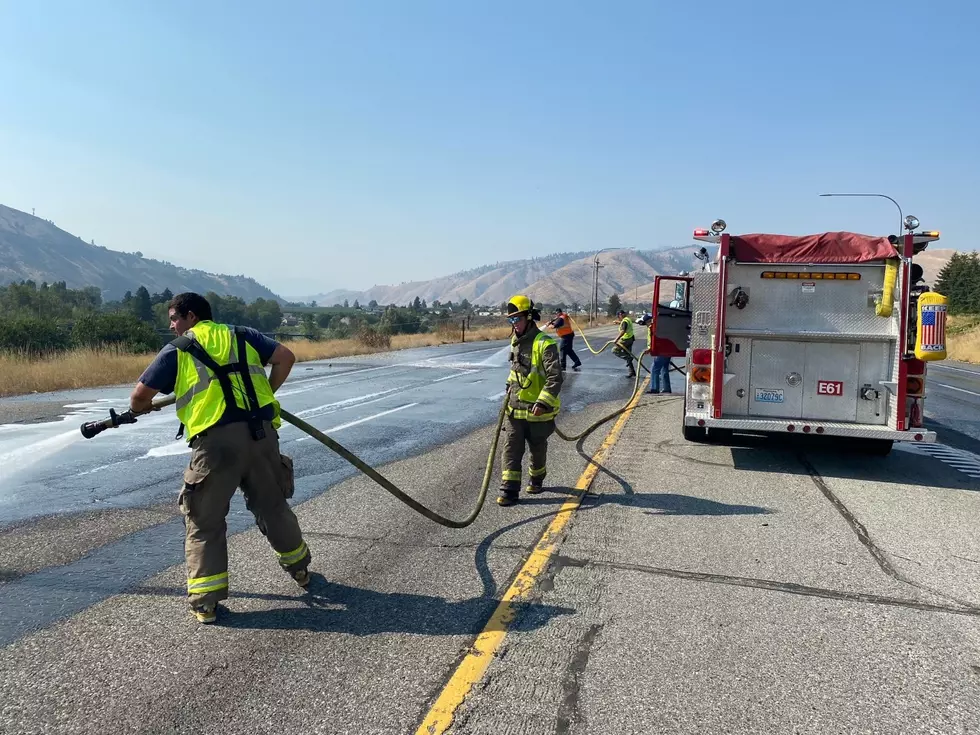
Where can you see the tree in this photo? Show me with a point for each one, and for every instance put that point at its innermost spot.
(372, 304)
(346, 304)
(959, 281)
(417, 304)
(465, 305)
(141, 305)
(614, 305)
(357, 304)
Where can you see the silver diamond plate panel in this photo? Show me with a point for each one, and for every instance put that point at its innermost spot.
(830, 428)
(819, 306)
(704, 293)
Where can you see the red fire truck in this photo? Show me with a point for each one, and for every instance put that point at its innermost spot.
(825, 334)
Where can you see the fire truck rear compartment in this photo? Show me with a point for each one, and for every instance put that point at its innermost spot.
(817, 381)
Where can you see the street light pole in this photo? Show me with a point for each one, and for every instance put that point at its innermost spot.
(901, 218)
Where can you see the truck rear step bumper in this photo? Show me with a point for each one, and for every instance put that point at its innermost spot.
(819, 428)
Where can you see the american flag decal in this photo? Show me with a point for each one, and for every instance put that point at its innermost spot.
(933, 328)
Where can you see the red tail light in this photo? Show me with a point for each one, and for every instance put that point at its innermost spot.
(702, 357)
(701, 233)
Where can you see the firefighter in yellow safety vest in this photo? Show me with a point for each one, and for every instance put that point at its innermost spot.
(532, 403)
(229, 413)
(624, 342)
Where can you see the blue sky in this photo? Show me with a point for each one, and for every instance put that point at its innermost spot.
(348, 144)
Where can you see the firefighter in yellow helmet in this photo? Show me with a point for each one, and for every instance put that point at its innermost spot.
(533, 386)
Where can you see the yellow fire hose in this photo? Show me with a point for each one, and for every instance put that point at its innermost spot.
(92, 428)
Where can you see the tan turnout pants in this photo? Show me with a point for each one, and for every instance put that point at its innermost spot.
(224, 458)
(520, 432)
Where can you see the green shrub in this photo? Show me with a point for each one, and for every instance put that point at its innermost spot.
(33, 336)
(120, 329)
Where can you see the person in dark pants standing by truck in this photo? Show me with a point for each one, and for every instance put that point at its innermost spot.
(563, 329)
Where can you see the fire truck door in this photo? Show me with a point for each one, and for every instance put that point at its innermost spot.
(670, 328)
(830, 381)
(776, 379)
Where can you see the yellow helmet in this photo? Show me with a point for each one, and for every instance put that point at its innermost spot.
(519, 304)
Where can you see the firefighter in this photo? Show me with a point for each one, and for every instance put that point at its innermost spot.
(624, 341)
(563, 329)
(229, 413)
(532, 403)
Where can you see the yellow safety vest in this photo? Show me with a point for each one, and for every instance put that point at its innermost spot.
(629, 328)
(532, 390)
(200, 398)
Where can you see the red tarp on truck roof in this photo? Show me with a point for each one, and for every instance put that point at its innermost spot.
(828, 247)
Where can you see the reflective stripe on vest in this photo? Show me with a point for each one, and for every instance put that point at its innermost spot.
(200, 401)
(532, 391)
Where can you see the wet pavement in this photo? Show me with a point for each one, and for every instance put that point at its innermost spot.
(702, 588)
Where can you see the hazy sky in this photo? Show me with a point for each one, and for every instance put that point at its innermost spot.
(315, 145)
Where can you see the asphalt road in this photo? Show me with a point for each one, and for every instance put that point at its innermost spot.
(681, 599)
(953, 400)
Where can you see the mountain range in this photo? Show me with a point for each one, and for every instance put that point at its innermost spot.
(32, 248)
(561, 277)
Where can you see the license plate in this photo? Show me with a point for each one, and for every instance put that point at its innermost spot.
(763, 395)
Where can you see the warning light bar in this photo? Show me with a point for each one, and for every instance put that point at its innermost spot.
(701, 233)
(807, 276)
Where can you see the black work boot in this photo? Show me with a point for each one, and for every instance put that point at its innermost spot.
(536, 486)
(508, 493)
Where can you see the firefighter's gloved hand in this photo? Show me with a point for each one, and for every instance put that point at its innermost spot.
(537, 409)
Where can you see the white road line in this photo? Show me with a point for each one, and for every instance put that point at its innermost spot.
(364, 420)
(457, 375)
(346, 402)
(961, 390)
(959, 459)
(959, 370)
(497, 396)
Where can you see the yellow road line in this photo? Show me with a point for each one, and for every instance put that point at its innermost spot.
(476, 662)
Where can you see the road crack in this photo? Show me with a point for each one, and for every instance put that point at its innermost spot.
(568, 711)
(773, 586)
(877, 553)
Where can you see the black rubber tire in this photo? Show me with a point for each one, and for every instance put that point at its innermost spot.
(695, 434)
(877, 447)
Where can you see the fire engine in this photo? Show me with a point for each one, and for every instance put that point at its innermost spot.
(825, 334)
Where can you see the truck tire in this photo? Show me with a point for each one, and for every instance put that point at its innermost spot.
(695, 434)
(877, 447)
(692, 433)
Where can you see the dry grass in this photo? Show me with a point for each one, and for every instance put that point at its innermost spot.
(83, 368)
(963, 340)
(89, 368)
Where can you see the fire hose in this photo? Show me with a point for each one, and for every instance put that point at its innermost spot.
(91, 429)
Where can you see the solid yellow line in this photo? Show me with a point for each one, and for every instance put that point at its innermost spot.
(476, 662)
